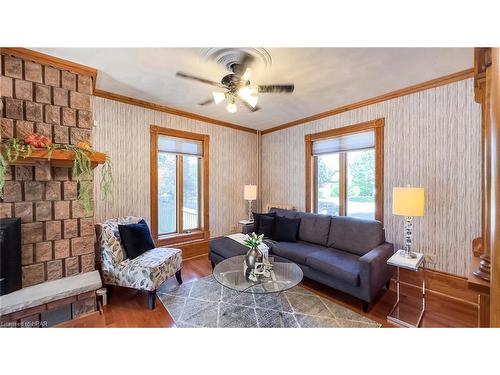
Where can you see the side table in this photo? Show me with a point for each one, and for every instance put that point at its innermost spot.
(246, 226)
(405, 315)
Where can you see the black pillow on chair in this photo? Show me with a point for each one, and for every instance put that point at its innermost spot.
(286, 229)
(266, 226)
(257, 217)
(136, 238)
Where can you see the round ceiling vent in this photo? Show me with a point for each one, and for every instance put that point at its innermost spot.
(227, 57)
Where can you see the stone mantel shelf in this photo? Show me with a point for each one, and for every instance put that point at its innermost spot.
(49, 291)
(59, 158)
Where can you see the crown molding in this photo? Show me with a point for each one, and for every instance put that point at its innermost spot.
(169, 110)
(436, 82)
(59, 63)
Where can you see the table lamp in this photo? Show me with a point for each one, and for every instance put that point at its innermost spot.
(250, 194)
(408, 202)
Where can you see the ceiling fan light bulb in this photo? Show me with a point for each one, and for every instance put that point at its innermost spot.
(219, 97)
(231, 107)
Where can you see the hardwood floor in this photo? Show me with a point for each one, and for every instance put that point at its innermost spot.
(440, 312)
(128, 307)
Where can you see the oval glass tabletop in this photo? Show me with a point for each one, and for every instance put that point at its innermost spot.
(283, 276)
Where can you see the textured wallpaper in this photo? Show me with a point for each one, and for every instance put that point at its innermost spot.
(123, 133)
(432, 140)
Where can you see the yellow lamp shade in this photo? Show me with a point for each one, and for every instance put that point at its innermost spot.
(408, 201)
(250, 192)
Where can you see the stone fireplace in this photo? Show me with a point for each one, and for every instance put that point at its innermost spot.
(57, 235)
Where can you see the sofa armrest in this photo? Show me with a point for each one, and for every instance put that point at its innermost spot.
(373, 269)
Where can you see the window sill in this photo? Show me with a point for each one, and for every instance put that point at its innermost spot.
(182, 237)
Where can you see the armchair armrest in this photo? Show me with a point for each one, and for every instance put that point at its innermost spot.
(373, 269)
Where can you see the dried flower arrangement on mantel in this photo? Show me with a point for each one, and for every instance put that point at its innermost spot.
(81, 156)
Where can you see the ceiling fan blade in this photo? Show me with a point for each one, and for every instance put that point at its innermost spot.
(199, 79)
(246, 75)
(206, 102)
(272, 89)
(246, 61)
(248, 106)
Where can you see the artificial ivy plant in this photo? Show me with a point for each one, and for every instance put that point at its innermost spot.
(13, 148)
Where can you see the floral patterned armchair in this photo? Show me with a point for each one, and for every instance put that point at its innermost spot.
(146, 272)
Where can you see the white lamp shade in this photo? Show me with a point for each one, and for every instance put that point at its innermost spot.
(250, 192)
(408, 201)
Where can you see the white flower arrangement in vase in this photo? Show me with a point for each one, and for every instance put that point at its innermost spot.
(254, 256)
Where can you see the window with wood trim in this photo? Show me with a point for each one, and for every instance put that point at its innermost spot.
(179, 185)
(344, 171)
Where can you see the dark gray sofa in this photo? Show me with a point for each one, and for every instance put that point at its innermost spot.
(341, 252)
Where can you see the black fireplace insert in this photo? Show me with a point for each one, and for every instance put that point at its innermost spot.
(10, 255)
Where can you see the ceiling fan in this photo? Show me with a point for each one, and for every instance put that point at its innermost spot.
(237, 88)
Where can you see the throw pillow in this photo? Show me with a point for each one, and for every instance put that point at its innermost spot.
(256, 219)
(266, 226)
(136, 239)
(286, 229)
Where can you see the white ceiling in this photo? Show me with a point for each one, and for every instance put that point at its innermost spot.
(324, 78)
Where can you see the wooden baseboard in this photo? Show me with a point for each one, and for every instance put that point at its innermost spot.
(441, 284)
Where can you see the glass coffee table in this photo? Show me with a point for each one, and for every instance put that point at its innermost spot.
(283, 276)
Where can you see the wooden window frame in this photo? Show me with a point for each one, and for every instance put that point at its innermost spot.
(203, 232)
(179, 196)
(378, 128)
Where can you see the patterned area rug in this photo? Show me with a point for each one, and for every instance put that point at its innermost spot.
(205, 303)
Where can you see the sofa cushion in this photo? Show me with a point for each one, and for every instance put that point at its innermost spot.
(286, 229)
(289, 214)
(357, 236)
(257, 217)
(295, 251)
(337, 263)
(266, 226)
(226, 247)
(314, 228)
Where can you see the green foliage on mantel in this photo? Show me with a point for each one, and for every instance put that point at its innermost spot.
(12, 149)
